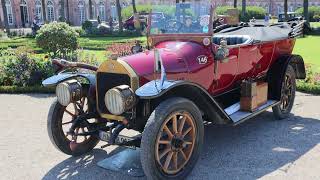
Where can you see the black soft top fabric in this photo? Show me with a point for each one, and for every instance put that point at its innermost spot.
(268, 33)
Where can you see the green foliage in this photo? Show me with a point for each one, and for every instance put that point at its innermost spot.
(1, 34)
(308, 87)
(316, 17)
(251, 11)
(20, 68)
(57, 38)
(87, 26)
(313, 10)
(167, 10)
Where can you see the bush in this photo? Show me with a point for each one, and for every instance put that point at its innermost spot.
(313, 10)
(20, 68)
(87, 26)
(166, 9)
(251, 11)
(316, 17)
(59, 39)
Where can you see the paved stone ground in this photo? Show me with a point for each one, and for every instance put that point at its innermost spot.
(260, 148)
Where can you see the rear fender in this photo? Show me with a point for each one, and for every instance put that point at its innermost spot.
(277, 72)
(211, 109)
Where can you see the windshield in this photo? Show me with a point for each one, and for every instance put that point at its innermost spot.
(180, 18)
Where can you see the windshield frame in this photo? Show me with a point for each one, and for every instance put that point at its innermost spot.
(209, 33)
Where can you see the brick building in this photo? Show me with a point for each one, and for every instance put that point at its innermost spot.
(22, 12)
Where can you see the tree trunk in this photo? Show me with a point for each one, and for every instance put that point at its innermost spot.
(44, 14)
(90, 10)
(244, 5)
(235, 3)
(306, 10)
(119, 15)
(134, 7)
(68, 11)
(62, 13)
(286, 10)
(5, 16)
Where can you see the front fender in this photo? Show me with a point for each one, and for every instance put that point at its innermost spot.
(56, 79)
(196, 93)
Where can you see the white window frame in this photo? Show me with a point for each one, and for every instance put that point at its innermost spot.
(38, 9)
(82, 11)
(102, 11)
(9, 12)
(50, 11)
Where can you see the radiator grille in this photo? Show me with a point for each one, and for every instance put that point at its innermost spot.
(106, 81)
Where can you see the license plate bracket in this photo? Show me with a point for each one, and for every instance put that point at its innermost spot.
(105, 136)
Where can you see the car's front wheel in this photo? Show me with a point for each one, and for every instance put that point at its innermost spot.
(60, 119)
(288, 92)
(172, 140)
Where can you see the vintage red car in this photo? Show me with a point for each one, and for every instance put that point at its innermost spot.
(189, 74)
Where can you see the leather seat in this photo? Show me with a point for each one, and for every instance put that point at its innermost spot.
(233, 39)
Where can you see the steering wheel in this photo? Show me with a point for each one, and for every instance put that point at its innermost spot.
(173, 26)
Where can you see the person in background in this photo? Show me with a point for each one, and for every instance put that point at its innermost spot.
(266, 19)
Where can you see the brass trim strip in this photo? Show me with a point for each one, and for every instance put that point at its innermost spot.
(112, 117)
(120, 67)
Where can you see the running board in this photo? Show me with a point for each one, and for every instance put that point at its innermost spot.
(238, 116)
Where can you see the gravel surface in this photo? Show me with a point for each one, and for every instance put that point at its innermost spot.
(260, 148)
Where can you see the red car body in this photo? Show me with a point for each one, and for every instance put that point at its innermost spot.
(180, 63)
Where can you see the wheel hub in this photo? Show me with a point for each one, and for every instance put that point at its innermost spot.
(177, 143)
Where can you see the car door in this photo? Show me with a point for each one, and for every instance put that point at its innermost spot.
(225, 72)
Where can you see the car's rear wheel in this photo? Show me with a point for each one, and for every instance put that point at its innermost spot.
(288, 92)
(172, 140)
(60, 119)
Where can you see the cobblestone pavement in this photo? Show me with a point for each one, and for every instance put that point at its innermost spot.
(260, 148)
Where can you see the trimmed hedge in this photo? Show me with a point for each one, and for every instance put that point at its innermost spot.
(308, 88)
(251, 11)
(313, 12)
(25, 90)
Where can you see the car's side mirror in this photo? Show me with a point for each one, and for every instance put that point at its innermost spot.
(222, 52)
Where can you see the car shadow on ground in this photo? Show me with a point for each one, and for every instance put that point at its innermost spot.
(248, 151)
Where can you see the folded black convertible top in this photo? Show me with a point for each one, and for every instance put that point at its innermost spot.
(266, 33)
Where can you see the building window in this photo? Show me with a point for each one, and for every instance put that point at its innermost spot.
(102, 11)
(50, 9)
(81, 11)
(9, 12)
(38, 12)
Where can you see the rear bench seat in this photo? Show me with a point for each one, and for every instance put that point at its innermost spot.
(233, 39)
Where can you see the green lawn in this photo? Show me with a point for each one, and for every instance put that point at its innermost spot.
(309, 49)
(315, 24)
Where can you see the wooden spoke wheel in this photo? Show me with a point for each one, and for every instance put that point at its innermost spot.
(172, 140)
(288, 92)
(60, 119)
(70, 114)
(175, 142)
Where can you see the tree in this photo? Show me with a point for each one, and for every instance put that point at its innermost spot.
(235, 3)
(57, 38)
(134, 7)
(62, 12)
(119, 15)
(5, 16)
(286, 10)
(44, 14)
(306, 10)
(244, 6)
(90, 10)
(68, 11)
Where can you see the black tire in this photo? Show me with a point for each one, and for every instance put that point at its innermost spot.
(57, 136)
(148, 153)
(279, 111)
